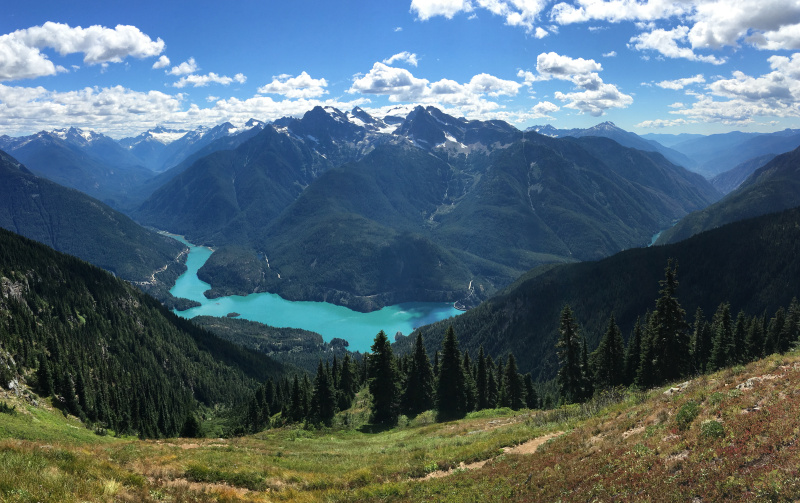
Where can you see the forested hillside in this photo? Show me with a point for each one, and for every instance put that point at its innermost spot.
(750, 265)
(74, 223)
(773, 187)
(108, 353)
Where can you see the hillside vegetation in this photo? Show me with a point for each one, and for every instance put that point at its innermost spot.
(106, 352)
(750, 264)
(726, 436)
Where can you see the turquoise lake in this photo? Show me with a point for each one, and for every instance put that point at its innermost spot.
(328, 320)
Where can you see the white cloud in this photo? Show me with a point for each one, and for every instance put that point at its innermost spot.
(545, 108)
(611, 54)
(592, 95)
(162, 62)
(426, 9)
(617, 10)
(470, 98)
(302, 86)
(679, 84)
(558, 66)
(541, 32)
(406, 56)
(515, 12)
(666, 43)
(212, 78)
(21, 56)
(596, 101)
(662, 123)
(705, 24)
(742, 98)
(120, 112)
(187, 67)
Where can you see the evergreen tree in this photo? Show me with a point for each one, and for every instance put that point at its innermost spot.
(347, 384)
(587, 384)
(492, 394)
(451, 387)
(701, 342)
(419, 393)
(608, 360)
(515, 389)
(570, 375)
(669, 337)
(722, 328)
(739, 336)
(323, 402)
(383, 382)
(470, 388)
(482, 381)
(531, 397)
(774, 330)
(633, 353)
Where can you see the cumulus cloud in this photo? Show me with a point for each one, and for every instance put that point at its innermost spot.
(211, 78)
(162, 62)
(665, 42)
(21, 56)
(302, 86)
(742, 98)
(523, 13)
(679, 84)
(545, 108)
(591, 95)
(185, 68)
(611, 54)
(470, 98)
(701, 24)
(406, 56)
(663, 123)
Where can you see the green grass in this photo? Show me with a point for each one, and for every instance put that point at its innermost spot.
(740, 445)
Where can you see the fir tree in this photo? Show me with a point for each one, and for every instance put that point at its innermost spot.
(419, 393)
(570, 376)
(482, 381)
(383, 382)
(722, 328)
(633, 353)
(701, 342)
(531, 397)
(668, 329)
(323, 403)
(608, 360)
(451, 387)
(515, 389)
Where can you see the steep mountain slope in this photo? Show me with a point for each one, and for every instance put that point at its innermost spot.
(74, 223)
(92, 163)
(773, 187)
(718, 153)
(750, 264)
(333, 208)
(109, 353)
(225, 197)
(619, 135)
(730, 180)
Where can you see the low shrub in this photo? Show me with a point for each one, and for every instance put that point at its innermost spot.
(686, 415)
(711, 429)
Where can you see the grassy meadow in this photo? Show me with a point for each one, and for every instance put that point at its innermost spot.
(726, 436)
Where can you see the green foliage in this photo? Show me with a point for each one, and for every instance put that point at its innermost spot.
(383, 383)
(111, 355)
(451, 399)
(687, 413)
(570, 375)
(711, 429)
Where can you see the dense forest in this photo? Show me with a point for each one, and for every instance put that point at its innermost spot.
(108, 353)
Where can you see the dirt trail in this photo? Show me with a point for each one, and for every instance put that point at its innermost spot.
(528, 447)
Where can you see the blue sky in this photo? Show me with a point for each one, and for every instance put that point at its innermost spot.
(664, 66)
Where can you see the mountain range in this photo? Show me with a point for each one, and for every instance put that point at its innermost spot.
(342, 210)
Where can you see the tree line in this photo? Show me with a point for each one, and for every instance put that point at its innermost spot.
(453, 385)
(664, 346)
